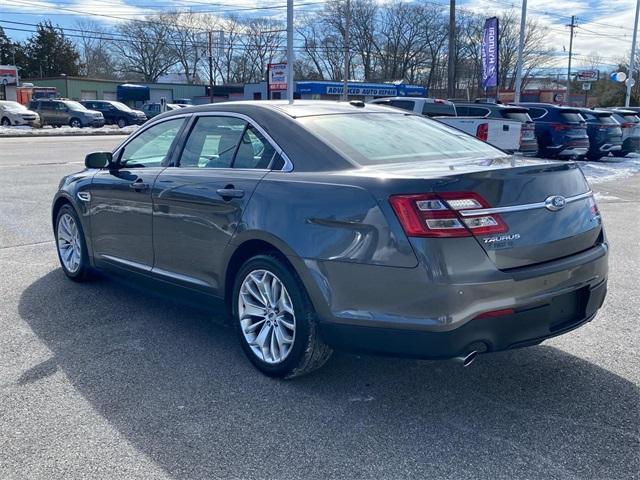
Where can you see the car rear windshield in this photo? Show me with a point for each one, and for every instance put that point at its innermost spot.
(629, 118)
(387, 138)
(607, 119)
(436, 109)
(121, 106)
(572, 117)
(519, 115)
(75, 105)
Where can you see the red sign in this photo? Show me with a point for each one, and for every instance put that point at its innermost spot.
(278, 73)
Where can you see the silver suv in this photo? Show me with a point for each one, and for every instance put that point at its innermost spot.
(65, 112)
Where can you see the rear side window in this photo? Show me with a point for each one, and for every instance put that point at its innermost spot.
(47, 106)
(254, 151)
(403, 104)
(212, 142)
(438, 109)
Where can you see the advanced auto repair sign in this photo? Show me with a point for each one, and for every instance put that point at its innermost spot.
(278, 76)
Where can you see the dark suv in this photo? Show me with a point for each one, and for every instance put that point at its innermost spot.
(605, 133)
(116, 113)
(59, 112)
(561, 131)
(528, 142)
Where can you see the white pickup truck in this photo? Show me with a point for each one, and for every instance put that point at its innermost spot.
(507, 134)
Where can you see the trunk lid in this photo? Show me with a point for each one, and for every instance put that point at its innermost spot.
(535, 233)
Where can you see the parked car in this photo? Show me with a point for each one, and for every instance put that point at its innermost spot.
(630, 124)
(501, 133)
(14, 113)
(561, 131)
(528, 142)
(183, 101)
(59, 112)
(116, 113)
(153, 109)
(326, 225)
(605, 134)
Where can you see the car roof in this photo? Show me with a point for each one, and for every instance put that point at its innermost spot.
(297, 109)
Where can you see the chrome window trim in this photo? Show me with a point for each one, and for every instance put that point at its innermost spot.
(288, 165)
(521, 208)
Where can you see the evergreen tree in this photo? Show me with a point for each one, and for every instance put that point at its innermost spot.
(49, 53)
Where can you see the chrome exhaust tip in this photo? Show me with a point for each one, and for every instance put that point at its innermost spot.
(467, 359)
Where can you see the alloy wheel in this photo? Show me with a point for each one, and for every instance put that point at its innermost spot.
(69, 245)
(266, 314)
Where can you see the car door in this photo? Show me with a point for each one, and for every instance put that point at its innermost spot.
(47, 112)
(121, 209)
(198, 204)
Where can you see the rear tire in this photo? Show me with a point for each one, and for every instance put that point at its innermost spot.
(620, 154)
(71, 245)
(275, 321)
(594, 157)
(6, 122)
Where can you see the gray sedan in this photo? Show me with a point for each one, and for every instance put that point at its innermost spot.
(323, 225)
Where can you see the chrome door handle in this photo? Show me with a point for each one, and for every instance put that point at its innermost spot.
(139, 185)
(230, 193)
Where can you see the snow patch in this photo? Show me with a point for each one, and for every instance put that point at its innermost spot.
(49, 131)
(610, 168)
(603, 197)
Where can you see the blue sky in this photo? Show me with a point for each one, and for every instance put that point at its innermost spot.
(605, 27)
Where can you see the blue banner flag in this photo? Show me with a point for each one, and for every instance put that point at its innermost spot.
(490, 53)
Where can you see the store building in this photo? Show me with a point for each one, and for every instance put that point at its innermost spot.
(323, 90)
(81, 88)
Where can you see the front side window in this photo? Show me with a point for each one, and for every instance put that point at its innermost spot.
(392, 138)
(151, 147)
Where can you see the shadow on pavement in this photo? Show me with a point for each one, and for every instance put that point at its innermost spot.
(178, 387)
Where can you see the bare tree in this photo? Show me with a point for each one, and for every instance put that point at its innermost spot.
(188, 42)
(96, 60)
(148, 53)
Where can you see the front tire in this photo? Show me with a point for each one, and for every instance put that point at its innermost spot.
(71, 245)
(75, 123)
(275, 321)
(121, 123)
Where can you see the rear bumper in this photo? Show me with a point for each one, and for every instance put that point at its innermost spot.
(427, 313)
(525, 327)
(569, 151)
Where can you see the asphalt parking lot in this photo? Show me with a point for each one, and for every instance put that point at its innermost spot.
(102, 380)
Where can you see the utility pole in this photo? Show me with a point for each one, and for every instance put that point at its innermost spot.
(627, 98)
(210, 70)
(523, 26)
(572, 25)
(345, 88)
(290, 61)
(451, 71)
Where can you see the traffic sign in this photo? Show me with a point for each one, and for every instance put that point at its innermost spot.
(586, 86)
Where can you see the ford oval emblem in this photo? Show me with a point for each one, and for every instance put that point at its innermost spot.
(555, 203)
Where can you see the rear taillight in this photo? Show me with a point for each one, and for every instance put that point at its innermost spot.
(559, 127)
(593, 207)
(447, 214)
(482, 132)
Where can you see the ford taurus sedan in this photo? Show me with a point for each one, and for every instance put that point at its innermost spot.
(325, 225)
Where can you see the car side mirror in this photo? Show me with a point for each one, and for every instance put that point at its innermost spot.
(98, 160)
